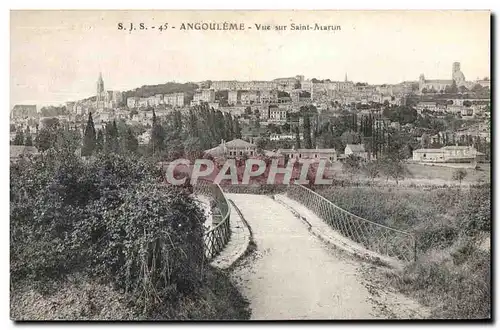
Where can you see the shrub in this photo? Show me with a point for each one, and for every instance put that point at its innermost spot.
(110, 218)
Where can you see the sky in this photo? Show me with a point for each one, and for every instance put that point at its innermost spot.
(56, 56)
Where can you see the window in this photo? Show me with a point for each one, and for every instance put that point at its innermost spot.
(300, 155)
(251, 153)
(315, 155)
(241, 153)
(424, 155)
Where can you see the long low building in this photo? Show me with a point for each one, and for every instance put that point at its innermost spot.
(314, 154)
(449, 154)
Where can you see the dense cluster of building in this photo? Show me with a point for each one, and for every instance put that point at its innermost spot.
(275, 102)
(173, 100)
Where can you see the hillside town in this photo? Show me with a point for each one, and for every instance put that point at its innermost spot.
(438, 121)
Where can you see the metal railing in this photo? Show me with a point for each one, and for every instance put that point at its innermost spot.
(371, 235)
(217, 237)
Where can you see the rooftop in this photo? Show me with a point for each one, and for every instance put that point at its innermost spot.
(306, 150)
(356, 147)
(18, 151)
(429, 150)
(239, 143)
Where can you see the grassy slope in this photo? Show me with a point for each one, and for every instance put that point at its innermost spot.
(452, 273)
(423, 174)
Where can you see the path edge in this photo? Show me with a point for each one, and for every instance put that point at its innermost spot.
(250, 245)
(358, 253)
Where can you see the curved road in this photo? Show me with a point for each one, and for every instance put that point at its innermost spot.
(292, 274)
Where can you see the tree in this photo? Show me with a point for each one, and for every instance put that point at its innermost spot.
(19, 138)
(459, 174)
(425, 140)
(89, 138)
(285, 127)
(67, 140)
(307, 132)
(351, 165)
(157, 136)
(130, 140)
(29, 141)
(99, 143)
(236, 128)
(111, 143)
(393, 169)
(454, 88)
(192, 123)
(372, 170)
(297, 137)
(350, 137)
(477, 88)
(262, 144)
(192, 148)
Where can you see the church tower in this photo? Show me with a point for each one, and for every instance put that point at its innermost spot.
(101, 94)
(345, 79)
(100, 89)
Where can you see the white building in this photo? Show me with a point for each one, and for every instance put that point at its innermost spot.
(449, 154)
(174, 99)
(357, 150)
(314, 154)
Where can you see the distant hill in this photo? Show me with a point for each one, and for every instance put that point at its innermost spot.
(167, 88)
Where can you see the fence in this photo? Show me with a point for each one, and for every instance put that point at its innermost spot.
(217, 237)
(371, 235)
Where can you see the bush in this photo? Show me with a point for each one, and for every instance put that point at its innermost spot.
(457, 289)
(109, 217)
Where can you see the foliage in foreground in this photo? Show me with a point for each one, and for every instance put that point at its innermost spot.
(110, 218)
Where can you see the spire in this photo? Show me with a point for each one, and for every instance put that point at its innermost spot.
(100, 84)
(346, 77)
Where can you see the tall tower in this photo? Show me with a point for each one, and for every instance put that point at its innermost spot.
(457, 75)
(345, 77)
(421, 82)
(100, 89)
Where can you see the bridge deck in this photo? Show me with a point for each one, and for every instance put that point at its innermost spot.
(293, 275)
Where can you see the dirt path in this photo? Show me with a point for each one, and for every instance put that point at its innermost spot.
(293, 275)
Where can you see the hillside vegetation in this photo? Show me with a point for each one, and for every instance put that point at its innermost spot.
(452, 226)
(105, 238)
(170, 87)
